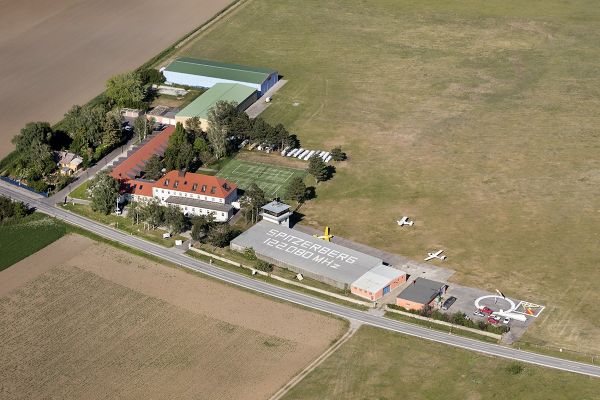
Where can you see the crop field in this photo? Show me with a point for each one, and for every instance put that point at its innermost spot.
(59, 53)
(273, 179)
(24, 237)
(83, 320)
(377, 364)
(478, 119)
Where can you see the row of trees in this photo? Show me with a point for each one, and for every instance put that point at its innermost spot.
(206, 230)
(153, 215)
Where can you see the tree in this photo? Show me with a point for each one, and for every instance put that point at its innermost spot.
(142, 127)
(104, 191)
(220, 118)
(12, 209)
(180, 151)
(40, 132)
(153, 214)
(296, 190)
(153, 168)
(86, 126)
(151, 76)
(135, 212)
(194, 125)
(220, 235)
(39, 160)
(252, 201)
(113, 135)
(317, 168)
(337, 154)
(201, 225)
(126, 90)
(174, 219)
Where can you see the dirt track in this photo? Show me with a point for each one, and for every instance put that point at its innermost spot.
(59, 53)
(83, 320)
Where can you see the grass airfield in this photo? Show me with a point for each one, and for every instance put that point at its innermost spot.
(479, 120)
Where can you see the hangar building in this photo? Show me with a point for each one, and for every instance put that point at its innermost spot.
(203, 73)
(244, 96)
(339, 266)
(419, 293)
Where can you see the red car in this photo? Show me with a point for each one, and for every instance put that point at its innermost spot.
(486, 310)
(492, 321)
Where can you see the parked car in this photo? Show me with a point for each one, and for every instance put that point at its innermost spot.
(492, 320)
(506, 320)
(486, 310)
(448, 303)
(478, 313)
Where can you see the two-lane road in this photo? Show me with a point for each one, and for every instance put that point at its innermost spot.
(299, 298)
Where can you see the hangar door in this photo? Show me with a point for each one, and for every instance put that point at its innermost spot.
(386, 289)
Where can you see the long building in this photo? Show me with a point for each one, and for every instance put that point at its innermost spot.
(364, 275)
(193, 194)
(242, 95)
(204, 73)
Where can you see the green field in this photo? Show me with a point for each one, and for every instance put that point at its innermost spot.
(273, 179)
(377, 364)
(21, 238)
(478, 119)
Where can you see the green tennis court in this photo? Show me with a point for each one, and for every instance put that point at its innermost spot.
(273, 179)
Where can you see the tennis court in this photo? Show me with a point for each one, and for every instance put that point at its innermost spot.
(273, 179)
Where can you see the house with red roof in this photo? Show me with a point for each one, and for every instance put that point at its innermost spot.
(193, 194)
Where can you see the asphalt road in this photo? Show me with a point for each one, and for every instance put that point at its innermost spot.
(299, 298)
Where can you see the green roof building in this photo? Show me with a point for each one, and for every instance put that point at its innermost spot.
(240, 94)
(203, 73)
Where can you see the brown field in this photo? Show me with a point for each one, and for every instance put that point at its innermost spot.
(59, 53)
(83, 320)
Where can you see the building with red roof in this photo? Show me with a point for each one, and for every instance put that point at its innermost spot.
(193, 194)
(133, 166)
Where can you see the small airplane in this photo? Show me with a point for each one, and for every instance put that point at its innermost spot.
(437, 254)
(405, 221)
(327, 236)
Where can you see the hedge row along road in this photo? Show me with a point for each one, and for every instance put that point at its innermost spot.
(298, 298)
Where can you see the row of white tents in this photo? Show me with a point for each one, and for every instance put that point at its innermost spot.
(305, 155)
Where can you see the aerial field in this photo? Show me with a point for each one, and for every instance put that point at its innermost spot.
(478, 119)
(272, 179)
(81, 320)
(59, 53)
(377, 364)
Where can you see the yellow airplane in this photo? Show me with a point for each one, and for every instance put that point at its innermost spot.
(326, 236)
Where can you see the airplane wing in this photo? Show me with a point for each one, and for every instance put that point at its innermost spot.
(429, 258)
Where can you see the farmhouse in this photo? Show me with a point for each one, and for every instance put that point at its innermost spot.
(327, 262)
(242, 95)
(193, 194)
(204, 73)
(68, 163)
(419, 293)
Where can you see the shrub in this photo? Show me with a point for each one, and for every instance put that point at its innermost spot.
(250, 254)
(514, 368)
(264, 266)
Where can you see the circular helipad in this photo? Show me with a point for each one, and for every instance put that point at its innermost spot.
(512, 304)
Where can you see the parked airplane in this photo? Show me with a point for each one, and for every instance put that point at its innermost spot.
(405, 221)
(437, 254)
(327, 236)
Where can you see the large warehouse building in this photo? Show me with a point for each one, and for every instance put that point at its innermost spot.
(342, 267)
(204, 73)
(244, 96)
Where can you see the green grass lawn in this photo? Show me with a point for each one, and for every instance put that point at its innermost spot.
(377, 364)
(124, 224)
(80, 192)
(273, 179)
(478, 119)
(19, 239)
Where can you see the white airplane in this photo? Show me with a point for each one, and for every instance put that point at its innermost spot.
(405, 221)
(437, 254)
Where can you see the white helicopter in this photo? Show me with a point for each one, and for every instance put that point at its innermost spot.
(405, 221)
(437, 254)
